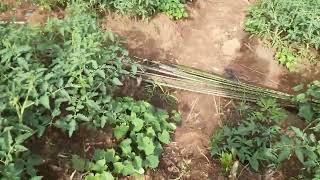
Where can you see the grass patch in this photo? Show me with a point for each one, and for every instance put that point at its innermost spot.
(292, 27)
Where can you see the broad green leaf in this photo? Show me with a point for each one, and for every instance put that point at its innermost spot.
(8, 139)
(99, 154)
(36, 178)
(254, 163)
(145, 144)
(128, 168)
(101, 73)
(299, 154)
(93, 105)
(78, 163)
(110, 155)
(120, 131)
(306, 112)
(20, 148)
(107, 176)
(72, 127)
(164, 137)
(125, 146)
(137, 162)
(117, 82)
(134, 69)
(83, 117)
(150, 132)
(153, 161)
(99, 166)
(21, 138)
(138, 124)
(298, 132)
(44, 100)
(118, 167)
(284, 154)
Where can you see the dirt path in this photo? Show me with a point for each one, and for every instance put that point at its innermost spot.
(211, 39)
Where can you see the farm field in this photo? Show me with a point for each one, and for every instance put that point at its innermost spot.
(73, 105)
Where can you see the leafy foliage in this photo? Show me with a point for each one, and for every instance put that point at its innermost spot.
(140, 131)
(261, 141)
(61, 74)
(141, 8)
(287, 23)
(252, 139)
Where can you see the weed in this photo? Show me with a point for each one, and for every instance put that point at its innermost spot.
(293, 23)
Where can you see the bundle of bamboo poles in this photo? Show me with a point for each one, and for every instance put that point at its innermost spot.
(190, 79)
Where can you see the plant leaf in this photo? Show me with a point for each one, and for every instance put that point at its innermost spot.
(116, 82)
(44, 100)
(164, 137)
(121, 131)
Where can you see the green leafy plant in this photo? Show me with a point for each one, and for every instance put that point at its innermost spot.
(226, 161)
(252, 139)
(286, 23)
(262, 141)
(61, 74)
(173, 8)
(140, 131)
(140, 8)
(287, 58)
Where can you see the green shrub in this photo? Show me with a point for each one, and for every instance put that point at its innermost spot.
(286, 23)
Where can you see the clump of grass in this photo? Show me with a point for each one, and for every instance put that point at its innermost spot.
(287, 24)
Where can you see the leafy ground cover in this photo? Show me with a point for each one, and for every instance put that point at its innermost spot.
(262, 140)
(292, 27)
(63, 75)
(141, 8)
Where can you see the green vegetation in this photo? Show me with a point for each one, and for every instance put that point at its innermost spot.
(292, 27)
(3, 7)
(64, 74)
(140, 131)
(175, 9)
(262, 140)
